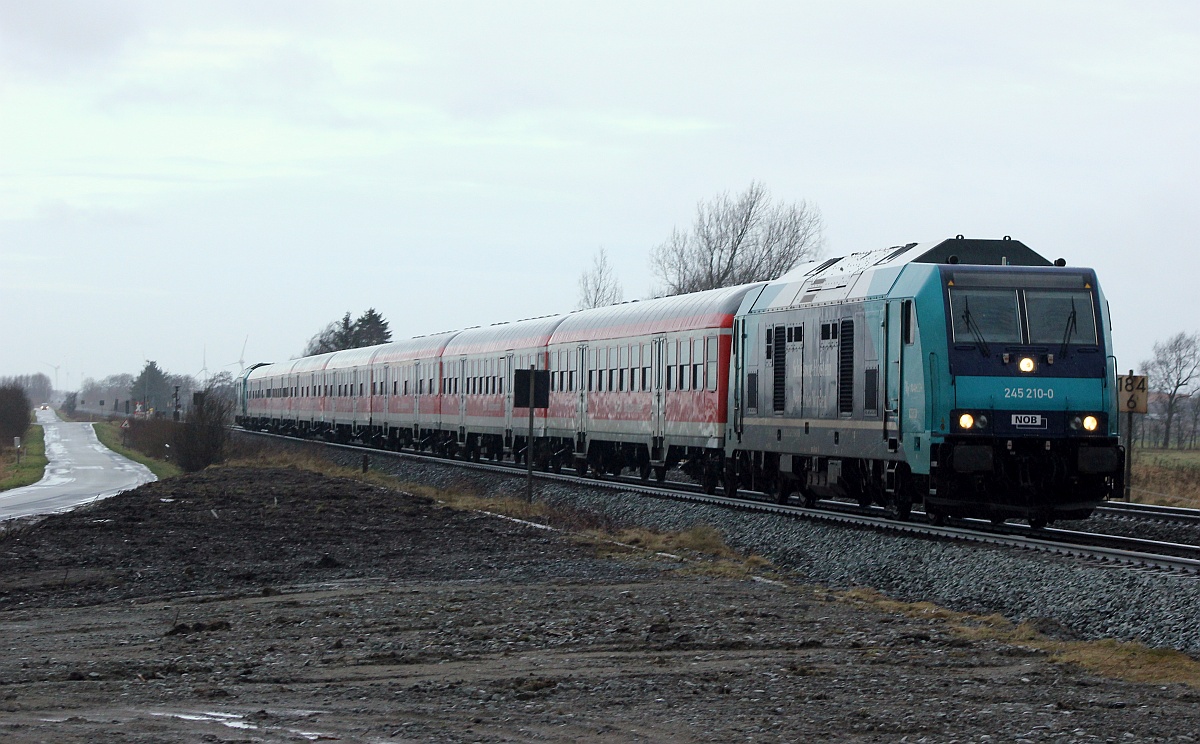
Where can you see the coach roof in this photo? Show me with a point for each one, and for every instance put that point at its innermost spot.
(713, 308)
(520, 334)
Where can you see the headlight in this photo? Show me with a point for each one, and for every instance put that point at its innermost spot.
(966, 421)
(1026, 364)
(1090, 423)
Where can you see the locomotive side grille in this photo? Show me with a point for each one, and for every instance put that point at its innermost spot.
(846, 367)
(780, 371)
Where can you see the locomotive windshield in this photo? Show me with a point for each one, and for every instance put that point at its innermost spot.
(986, 315)
(994, 316)
(1060, 317)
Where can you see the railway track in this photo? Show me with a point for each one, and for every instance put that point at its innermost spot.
(1114, 549)
(1152, 511)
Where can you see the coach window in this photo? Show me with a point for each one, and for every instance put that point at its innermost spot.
(634, 364)
(685, 360)
(710, 356)
(670, 365)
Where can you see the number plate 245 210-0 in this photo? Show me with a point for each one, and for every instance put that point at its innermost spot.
(1029, 421)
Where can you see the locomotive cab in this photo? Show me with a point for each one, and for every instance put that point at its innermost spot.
(1030, 428)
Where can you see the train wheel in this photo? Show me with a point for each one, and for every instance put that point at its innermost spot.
(899, 502)
(808, 498)
(581, 467)
(782, 492)
(660, 473)
(936, 517)
(731, 481)
(644, 471)
(1037, 521)
(708, 481)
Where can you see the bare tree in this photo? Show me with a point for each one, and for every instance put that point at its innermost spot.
(737, 240)
(37, 387)
(1174, 371)
(597, 286)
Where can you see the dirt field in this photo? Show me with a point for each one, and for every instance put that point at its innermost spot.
(259, 605)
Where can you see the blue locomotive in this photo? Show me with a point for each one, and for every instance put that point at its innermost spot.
(973, 376)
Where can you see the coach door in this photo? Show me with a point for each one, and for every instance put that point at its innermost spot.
(384, 403)
(455, 378)
(506, 366)
(418, 389)
(581, 401)
(737, 379)
(658, 410)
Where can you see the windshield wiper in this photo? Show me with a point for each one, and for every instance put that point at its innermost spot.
(1070, 329)
(973, 327)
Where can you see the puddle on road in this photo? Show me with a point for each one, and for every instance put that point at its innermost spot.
(237, 721)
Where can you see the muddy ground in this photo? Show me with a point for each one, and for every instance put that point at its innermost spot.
(261, 605)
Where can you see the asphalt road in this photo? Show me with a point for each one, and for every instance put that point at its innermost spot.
(81, 470)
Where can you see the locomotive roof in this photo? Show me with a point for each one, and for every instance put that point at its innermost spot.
(872, 273)
(713, 308)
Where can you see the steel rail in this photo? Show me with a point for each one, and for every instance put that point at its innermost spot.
(1106, 548)
(1151, 511)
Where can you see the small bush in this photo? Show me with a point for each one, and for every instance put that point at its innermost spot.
(152, 437)
(200, 441)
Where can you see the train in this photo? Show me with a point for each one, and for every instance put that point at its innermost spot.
(972, 377)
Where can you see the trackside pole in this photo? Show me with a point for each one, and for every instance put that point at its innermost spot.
(1128, 449)
(529, 444)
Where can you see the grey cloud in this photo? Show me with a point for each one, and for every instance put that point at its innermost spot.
(58, 37)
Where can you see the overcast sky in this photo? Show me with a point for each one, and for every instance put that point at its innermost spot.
(177, 176)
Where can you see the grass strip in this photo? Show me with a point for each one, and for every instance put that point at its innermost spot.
(109, 434)
(33, 461)
(1125, 660)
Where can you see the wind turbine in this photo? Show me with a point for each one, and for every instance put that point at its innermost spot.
(204, 366)
(55, 368)
(241, 360)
